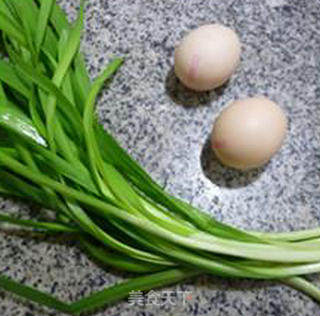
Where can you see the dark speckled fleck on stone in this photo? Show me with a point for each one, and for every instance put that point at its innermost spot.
(166, 128)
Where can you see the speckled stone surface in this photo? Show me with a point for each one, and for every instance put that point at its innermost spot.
(166, 128)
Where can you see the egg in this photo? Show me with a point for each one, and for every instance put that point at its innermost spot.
(206, 58)
(248, 132)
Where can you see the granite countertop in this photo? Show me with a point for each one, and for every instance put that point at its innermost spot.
(166, 128)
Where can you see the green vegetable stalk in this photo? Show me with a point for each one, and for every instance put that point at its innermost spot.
(54, 152)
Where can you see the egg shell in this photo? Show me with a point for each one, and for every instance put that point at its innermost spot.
(207, 57)
(248, 132)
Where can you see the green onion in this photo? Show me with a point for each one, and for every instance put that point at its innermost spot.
(54, 152)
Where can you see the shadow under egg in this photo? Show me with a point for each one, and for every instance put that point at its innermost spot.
(182, 95)
(222, 175)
